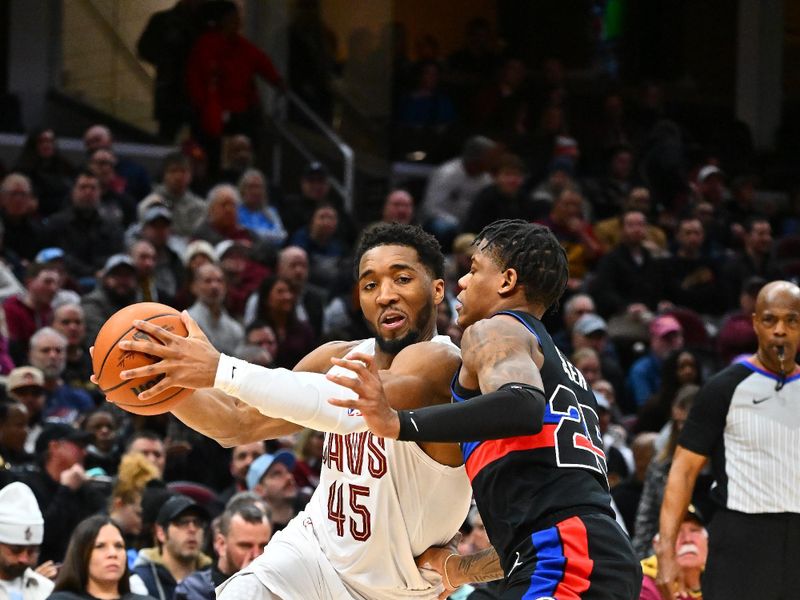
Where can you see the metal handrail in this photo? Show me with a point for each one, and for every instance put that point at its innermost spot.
(129, 55)
(344, 187)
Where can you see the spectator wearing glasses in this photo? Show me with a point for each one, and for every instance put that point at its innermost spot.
(179, 532)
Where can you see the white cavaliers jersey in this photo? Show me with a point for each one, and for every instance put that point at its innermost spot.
(379, 504)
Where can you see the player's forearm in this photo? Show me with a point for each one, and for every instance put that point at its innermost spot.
(513, 410)
(299, 397)
(479, 567)
(227, 420)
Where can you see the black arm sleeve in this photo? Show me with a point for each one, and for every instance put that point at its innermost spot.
(513, 410)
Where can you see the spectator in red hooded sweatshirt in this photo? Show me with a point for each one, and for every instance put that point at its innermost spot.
(221, 79)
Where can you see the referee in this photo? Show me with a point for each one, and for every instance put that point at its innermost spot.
(746, 420)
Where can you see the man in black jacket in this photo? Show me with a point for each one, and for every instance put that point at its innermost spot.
(628, 275)
(86, 237)
(64, 492)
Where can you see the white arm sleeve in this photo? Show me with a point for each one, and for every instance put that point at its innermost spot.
(296, 396)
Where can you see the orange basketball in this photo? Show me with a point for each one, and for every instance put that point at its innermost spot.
(108, 360)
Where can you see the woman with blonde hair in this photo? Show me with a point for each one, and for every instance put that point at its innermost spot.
(125, 504)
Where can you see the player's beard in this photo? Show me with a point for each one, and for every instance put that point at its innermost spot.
(414, 335)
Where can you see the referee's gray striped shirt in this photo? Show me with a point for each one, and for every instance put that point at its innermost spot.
(752, 434)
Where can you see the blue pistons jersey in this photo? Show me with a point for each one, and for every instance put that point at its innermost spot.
(524, 483)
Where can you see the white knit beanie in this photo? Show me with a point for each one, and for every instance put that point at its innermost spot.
(21, 521)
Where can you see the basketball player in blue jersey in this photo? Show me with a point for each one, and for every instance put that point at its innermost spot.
(528, 428)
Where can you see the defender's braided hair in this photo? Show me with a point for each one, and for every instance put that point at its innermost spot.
(533, 252)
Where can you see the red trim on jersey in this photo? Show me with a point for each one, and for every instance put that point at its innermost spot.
(492, 450)
(578, 568)
(581, 441)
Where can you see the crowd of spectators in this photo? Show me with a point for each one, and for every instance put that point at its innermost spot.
(668, 245)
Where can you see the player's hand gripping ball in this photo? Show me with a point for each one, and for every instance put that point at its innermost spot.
(108, 360)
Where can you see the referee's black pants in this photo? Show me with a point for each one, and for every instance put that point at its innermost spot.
(753, 556)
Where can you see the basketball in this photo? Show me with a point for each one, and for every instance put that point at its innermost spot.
(108, 360)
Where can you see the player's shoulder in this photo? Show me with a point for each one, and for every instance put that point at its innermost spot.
(319, 359)
(493, 330)
(428, 355)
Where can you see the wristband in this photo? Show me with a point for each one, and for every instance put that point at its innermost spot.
(444, 572)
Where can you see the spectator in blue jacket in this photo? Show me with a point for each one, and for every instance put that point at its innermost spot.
(644, 379)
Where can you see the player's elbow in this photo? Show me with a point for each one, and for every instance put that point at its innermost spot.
(531, 419)
(526, 405)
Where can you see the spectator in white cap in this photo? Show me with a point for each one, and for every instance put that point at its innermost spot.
(196, 254)
(591, 331)
(199, 252)
(711, 185)
(210, 289)
(21, 533)
(270, 476)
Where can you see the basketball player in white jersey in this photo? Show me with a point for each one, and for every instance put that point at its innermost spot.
(379, 503)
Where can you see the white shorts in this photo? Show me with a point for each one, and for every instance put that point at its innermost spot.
(294, 567)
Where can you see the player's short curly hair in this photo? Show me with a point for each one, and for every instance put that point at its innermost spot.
(533, 252)
(395, 234)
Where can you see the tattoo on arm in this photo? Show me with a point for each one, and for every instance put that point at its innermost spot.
(498, 352)
(480, 567)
